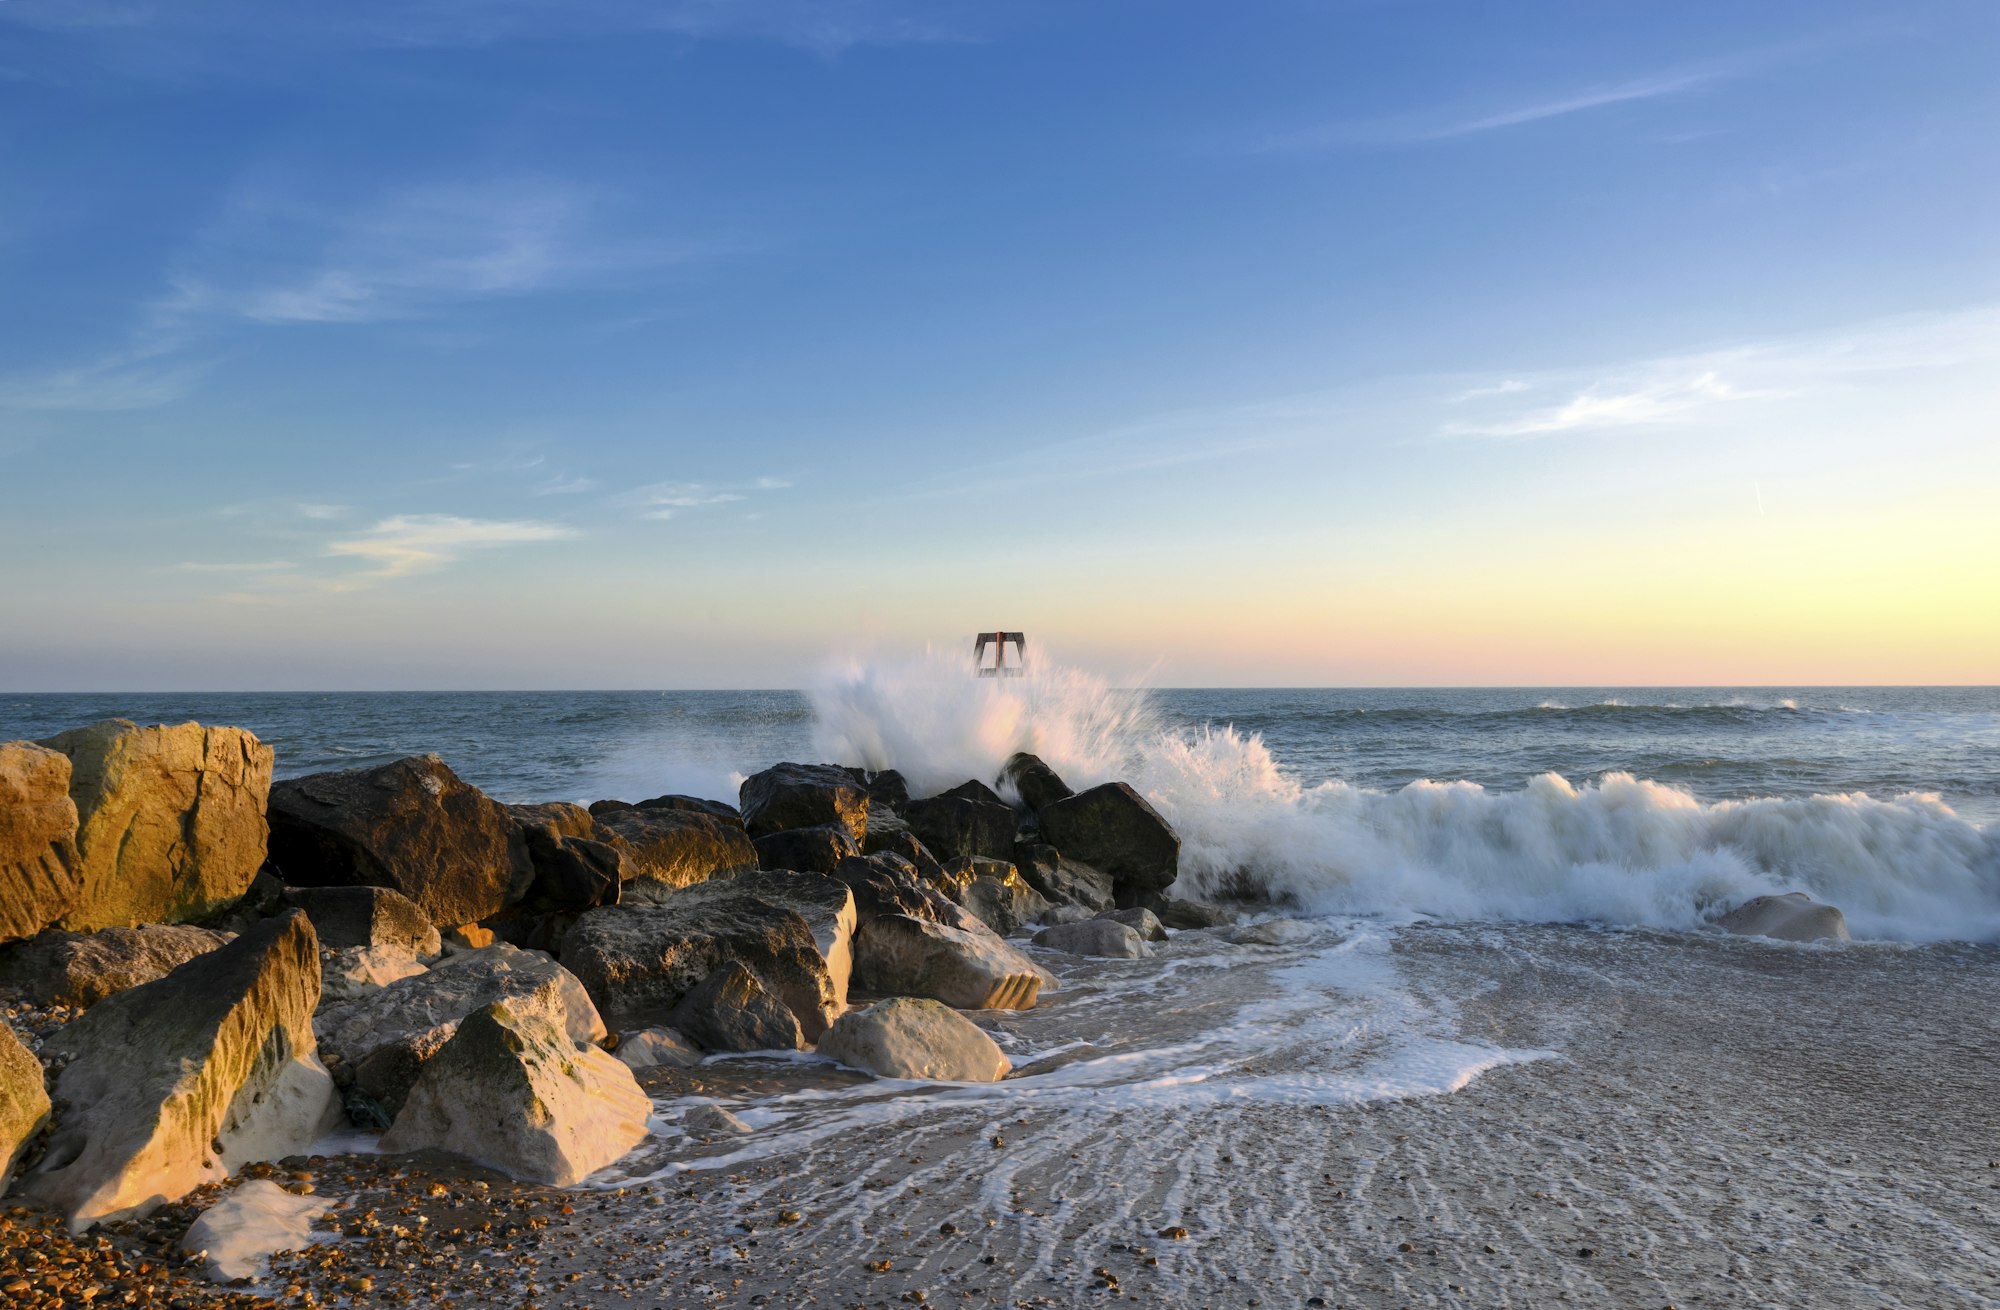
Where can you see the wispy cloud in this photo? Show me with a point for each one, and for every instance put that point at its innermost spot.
(1445, 123)
(418, 543)
(256, 566)
(1672, 388)
(667, 500)
(566, 486)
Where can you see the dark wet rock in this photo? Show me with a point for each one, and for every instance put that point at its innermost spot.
(887, 883)
(381, 1042)
(1060, 880)
(1139, 920)
(667, 849)
(208, 1068)
(951, 826)
(1038, 784)
(81, 969)
(1112, 828)
(511, 1090)
(902, 842)
(805, 850)
(974, 790)
(367, 916)
(411, 825)
(38, 861)
(574, 871)
(913, 1037)
(804, 796)
(886, 787)
(1792, 917)
(794, 931)
(170, 820)
(1101, 937)
(693, 805)
(968, 967)
(996, 894)
(730, 1010)
(1174, 912)
(24, 1101)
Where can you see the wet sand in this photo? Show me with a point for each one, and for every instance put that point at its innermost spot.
(1644, 1120)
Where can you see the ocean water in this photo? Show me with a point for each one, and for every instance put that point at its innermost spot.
(1645, 807)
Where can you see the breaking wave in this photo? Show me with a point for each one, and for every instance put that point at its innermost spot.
(1618, 850)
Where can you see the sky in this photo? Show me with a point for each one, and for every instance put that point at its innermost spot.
(687, 343)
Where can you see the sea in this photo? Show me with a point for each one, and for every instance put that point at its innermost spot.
(1639, 806)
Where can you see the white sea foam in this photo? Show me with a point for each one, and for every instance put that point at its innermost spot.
(1620, 850)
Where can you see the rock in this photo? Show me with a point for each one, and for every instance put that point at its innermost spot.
(411, 825)
(1792, 917)
(367, 916)
(639, 960)
(1062, 881)
(1174, 912)
(974, 790)
(804, 796)
(694, 805)
(1101, 937)
(1271, 932)
(24, 1101)
(667, 849)
(512, 1090)
(910, 848)
(380, 1043)
(889, 884)
(911, 1037)
(1035, 782)
(467, 938)
(237, 1236)
(657, 1046)
(712, 1120)
(170, 820)
(1066, 914)
(895, 954)
(1139, 920)
(998, 896)
(805, 850)
(886, 787)
(348, 973)
(731, 1011)
(573, 870)
(38, 861)
(1112, 828)
(179, 1082)
(957, 825)
(61, 968)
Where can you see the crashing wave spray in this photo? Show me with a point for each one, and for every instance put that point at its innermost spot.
(1620, 850)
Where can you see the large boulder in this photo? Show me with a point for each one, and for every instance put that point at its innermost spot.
(972, 789)
(911, 1037)
(951, 826)
(1112, 828)
(1038, 785)
(237, 1236)
(61, 968)
(968, 968)
(38, 863)
(887, 789)
(170, 820)
(665, 849)
(573, 869)
(792, 930)
(1793, 917)
(411, 825)
(1140, 920)
(179, 1082)
(886, 883)
(730, 1010)
(24, 1101)
(1063, 881)
(1105, 937)
(512, 1090)
(657, 1046)
(367, 916)
(348, 973)
(804, 796)
(805, 850)
(686, 804)
(1174, 912)
(379, 1043)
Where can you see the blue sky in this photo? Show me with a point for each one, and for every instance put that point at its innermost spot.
(608, 343)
